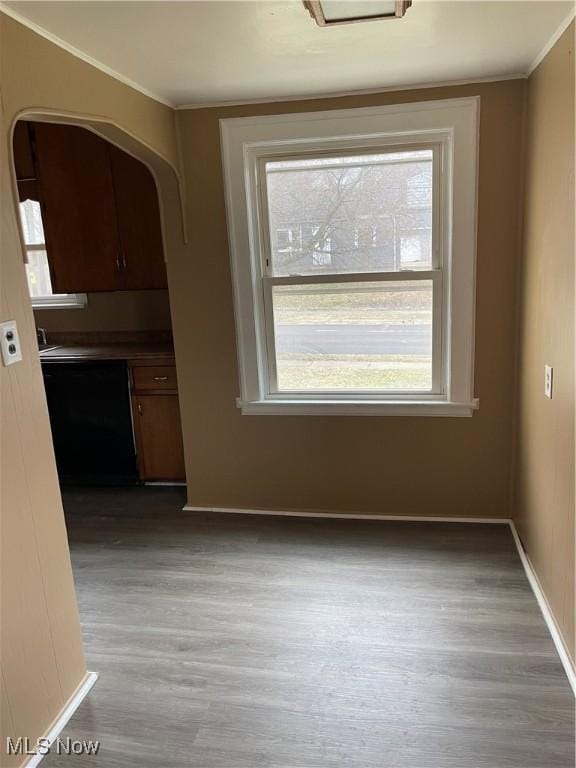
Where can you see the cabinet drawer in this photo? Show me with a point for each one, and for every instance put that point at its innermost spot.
(148, 377)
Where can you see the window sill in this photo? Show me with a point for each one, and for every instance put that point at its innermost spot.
(55, 302)
(358, 408)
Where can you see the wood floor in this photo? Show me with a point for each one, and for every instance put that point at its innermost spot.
(226, 641)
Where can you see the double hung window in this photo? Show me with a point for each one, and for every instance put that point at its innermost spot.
(354, 305)
(343, 254)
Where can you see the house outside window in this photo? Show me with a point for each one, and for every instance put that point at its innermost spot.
(418, 189)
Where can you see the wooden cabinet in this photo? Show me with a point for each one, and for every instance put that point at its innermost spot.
(159, 441)
(155, 377)
(79, 213)
(156, 415)
(24, 162)
(100, 211)
(139, 230)
(23, 159)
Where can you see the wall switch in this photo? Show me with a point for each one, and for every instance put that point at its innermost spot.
(10, 343)
(548, 380)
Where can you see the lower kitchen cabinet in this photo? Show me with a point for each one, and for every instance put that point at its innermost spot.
(157, 427)
(158, 437)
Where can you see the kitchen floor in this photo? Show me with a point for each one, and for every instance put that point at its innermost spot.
(228, 641)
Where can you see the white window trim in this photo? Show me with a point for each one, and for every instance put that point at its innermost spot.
(55, 300)
(454, 124)
(60, 301)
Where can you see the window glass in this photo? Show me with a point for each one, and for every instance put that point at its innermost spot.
(360, 213)
(354, 336)
(39, 283)
(32, 222)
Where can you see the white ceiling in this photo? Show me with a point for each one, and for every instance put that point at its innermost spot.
(191, 53)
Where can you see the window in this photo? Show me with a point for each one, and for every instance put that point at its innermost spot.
(353, 259)
(37, 271)
(328, 333)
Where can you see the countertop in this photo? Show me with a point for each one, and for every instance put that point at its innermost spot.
(110, 351)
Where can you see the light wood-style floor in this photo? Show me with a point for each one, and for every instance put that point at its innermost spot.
(265, 642)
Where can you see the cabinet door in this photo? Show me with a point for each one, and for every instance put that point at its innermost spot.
(77, 195)
(142, 252)
(23, 158)
(158, 437)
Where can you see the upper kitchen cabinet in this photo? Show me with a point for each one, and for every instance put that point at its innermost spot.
(79, 211)
(23, 158)
(24, 162)
(100, 212)
(138, 216)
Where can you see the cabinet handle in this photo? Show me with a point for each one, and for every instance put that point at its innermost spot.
(160, 378)
(118, 266)
(123, 260)
(139, 408)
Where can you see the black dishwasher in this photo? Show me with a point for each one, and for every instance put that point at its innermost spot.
(89, 406)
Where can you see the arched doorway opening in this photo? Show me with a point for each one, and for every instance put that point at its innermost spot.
(101, 220)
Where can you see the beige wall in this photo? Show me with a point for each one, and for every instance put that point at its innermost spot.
(544, 493)
(41, 647)
(115, 311)
(404, 466)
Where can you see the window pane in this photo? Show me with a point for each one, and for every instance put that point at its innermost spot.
(361, 213)
(354, 336)
(39, 283)
(37, 272)
(32, 222)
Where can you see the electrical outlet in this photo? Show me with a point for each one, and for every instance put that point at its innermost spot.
(548, 381)
(10, 343)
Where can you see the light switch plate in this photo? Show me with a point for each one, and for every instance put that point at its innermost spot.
(10, 343)
(548, 381)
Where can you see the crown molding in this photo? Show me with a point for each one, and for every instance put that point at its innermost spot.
(8, 11)
(552, 41)
(81, 55)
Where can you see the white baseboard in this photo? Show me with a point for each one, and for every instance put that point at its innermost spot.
(345, 515)
(545, 609)
(529, 570)
(62, 720)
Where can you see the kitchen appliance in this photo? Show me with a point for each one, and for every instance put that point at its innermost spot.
(90, 415)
